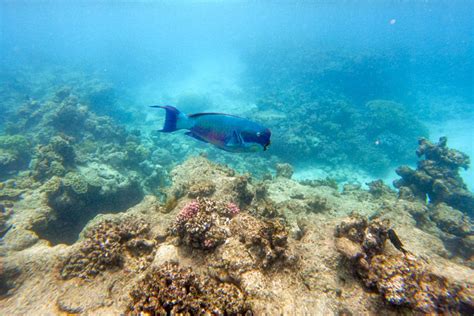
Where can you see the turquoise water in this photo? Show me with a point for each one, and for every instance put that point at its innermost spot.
(259, 60)
(346, 88)
(309, 71)
(349, 90)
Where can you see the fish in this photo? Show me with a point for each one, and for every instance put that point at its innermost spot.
(225, 131)
(396, 241)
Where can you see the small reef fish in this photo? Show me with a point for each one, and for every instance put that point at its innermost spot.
(396, 241)
(225, 131)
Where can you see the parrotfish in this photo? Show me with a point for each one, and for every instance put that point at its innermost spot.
(225, 131)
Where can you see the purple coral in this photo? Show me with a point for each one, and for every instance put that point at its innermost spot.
(188, 211)
(233, 208)
(202, 223)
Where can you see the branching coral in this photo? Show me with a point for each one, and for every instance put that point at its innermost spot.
(172, 290)
(202, 223)
(437, 176)
(106, 246)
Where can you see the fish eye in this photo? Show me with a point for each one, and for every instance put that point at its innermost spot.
(259, 134)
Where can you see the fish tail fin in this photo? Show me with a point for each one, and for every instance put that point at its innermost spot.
(175, 119)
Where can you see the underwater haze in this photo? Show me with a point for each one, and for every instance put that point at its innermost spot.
(370, 105)
(232, 57)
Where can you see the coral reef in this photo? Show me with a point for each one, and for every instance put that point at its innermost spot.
(415, 286)
(437, 177)
(456, 229)
(451, 220)
(379, 189)
(318, 204)
(53, 159)
(201, 189)
(9, 276)
(171, 290)
(103, 99)
(5, 212)
(203, 223)
(275, 256)
(80, 195)
(15, 153)
(403, 280)
(267, 240)
(328, 125)
(329, 182)
(256, 243)
(243, 195)
(107, 246)
(284, 170)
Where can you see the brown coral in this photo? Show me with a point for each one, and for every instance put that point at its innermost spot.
(437, 176)
(203, 223)
(243, 195)
(284, 170)
(379, 189)
(106, 246)
(403, 280)
(266, 239)
(172, 290)
(201, 189)
(406, 281)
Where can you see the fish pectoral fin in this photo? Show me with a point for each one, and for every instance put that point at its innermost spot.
(235, 141)
(195, 136)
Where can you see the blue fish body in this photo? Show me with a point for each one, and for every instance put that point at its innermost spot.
(227, 132)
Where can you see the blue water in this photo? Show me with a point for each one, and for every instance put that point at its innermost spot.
(323, 60)
(347, 89)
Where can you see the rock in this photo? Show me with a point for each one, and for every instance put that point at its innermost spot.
(284, 170)
(166, 253)
(378, 189)
(437, 176)
(451, 220)
(348, 248)
(402, 280)
(18, 238)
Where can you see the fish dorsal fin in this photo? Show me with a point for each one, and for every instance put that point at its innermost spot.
(211, 113)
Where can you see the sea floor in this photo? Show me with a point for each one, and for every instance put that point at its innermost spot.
(283, 249)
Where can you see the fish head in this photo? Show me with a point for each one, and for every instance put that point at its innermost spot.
(258, 139)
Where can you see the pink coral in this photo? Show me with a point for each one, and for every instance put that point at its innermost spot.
(233, 208)
(208, 244)
(188, 211)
